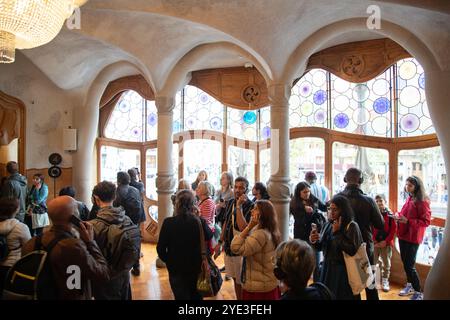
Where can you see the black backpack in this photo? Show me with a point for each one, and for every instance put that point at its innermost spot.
(30, 278)
(123, 245)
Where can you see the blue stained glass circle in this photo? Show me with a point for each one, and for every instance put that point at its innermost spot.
(204, 99)
(381, 105)
(319, 116)
(124, 106)
(422, 81)
(249, 117)
(320, 97)
(215, 123)
(266, 132)
(136, 132)
(151, 119)
(176, 126)
(341, 120)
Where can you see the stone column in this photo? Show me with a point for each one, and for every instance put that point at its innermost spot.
(437, 285)
(278, 186)
(165, 180)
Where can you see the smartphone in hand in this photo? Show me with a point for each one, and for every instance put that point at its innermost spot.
(75, 221)
(313, 227)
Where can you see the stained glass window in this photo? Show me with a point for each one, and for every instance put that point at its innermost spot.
(152, 121)
(427, 164)
(201, 111)
(242, 123)
(363, 108)
(308, 101)
(126, 120)
(374, 163)
(307, 154)
(177, 120)
(413, 115)
(241, 162)
(264, 114)
(115, 159)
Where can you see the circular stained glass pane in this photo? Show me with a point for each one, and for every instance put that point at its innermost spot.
(176, 126)
(215, 123)
(361, 92)
(410, 122)
(421, 81)
(305, 89)
(203, 114)
(341, 85)
(319, 78)
(307, 108)
(190, 123)
(236, 129)
(204, 98)
(407, 70)
(410, 96)
(152, 119)
(380, 125)
(191, 92)
(320, 97)
(381, 105)
(341, 120)
(380, 87)
(216, 107)
(250, 134)
(249, 117)
(124, 106)
(341, 103)
(135, 97)
(319, 116)
(265, 132)
(361, 116)
(294, 101)
(294, 120)
(120, 124)
(235, 115)
(135, 115)
(136, 132)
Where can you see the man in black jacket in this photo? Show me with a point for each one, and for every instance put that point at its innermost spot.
(367, 215)
(15, 187)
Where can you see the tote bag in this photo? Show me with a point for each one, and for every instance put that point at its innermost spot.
(359, 269)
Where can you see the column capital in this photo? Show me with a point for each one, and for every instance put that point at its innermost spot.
(279, 189)
(164, 104)
(279, 94)
(165, 183)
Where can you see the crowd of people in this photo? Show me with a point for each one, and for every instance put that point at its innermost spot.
(105, 241)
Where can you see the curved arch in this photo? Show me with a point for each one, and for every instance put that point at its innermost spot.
(299, 58)
(86, 120)
(189, 62)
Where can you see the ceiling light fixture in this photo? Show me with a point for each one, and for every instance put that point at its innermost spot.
(26, 24)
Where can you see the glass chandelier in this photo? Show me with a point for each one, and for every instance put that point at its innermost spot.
(26, 24)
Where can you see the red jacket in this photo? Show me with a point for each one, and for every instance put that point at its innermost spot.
(390, 227)
(419, 218)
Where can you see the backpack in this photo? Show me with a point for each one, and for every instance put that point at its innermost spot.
(4, 248)
(132, 205)
(31, 277)
(123, 242)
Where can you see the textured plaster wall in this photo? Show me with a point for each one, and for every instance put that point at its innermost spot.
(48, 111)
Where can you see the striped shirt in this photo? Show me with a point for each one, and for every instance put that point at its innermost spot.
(207, 211)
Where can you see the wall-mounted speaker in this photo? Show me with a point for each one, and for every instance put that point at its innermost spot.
(70, 139)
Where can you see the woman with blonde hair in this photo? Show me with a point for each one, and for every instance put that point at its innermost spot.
(257, 244)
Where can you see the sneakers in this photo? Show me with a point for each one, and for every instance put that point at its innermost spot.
(385, 285)
(417, 296)
(406, 291)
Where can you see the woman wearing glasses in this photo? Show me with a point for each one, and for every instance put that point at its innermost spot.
(340, 233)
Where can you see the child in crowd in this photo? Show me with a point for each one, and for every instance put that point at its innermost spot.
(384, 240)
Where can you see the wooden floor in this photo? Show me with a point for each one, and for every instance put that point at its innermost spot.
(153, 283)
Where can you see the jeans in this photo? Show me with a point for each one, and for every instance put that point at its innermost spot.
(408, 253)
(316, 274)
(184, 286)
